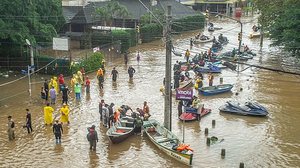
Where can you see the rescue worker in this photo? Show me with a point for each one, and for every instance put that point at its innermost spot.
(48, 114)
(64, 111)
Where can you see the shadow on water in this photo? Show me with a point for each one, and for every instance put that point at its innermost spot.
(249, 120)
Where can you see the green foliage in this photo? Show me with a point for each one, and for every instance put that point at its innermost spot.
(282, 21)
(127, 38)
(150, 32)
(36, 20)
(92, 63)
(148, 18)
(188, 23)
(111, 11)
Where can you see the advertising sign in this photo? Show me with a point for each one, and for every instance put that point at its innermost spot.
(184, 94)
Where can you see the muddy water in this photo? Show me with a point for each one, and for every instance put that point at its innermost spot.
(258, 142)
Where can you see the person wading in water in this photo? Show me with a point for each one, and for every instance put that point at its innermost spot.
(114, 74)
(57, 130)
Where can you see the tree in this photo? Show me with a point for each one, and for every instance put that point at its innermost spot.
(111, 11)
(282, 21)
(36, 20)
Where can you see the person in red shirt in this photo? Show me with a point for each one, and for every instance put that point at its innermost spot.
(61, 82)
(87, 84)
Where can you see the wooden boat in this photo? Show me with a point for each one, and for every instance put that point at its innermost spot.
(121, 130)
(217, 89)
(167, 142)
(187, 116)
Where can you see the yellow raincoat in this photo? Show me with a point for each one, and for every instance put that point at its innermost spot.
(55, 84)
(74, 80)
(48, 117)
(64, 111)
(79, 77)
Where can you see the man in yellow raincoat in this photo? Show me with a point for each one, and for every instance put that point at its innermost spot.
(79, 77)
(55, 84)
(64, 111)
(48, 114)
(74, 80)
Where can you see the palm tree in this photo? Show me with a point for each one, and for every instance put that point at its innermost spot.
(112, 10)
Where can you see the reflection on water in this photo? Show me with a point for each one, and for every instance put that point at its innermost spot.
(272, 141)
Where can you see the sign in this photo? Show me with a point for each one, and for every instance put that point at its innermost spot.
(184, 94)
(61, 44)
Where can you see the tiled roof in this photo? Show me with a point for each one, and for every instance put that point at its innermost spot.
(85, 14)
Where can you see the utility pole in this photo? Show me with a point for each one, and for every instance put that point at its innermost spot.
(31, 55)
(168, 108)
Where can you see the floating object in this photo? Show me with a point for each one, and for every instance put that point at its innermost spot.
(192, 115)
(249, 108)
(121, 130)
(213, 90)
(223, 153)
(206, 131)
(168, 142)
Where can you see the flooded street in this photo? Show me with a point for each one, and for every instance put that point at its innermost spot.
(272, 141)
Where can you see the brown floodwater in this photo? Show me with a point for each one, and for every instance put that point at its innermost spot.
(271, 141)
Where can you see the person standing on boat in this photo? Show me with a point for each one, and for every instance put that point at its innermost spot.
(146, 111)
(131, 71)
(57, 130)
(210, 79)
(187, 55)
(111, 114)
(196, 104)
(114, 74)
(92, 137)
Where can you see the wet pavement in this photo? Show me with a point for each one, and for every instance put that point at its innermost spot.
(271, 141)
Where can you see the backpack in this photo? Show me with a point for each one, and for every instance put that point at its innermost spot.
(12, 124)
(91, 135)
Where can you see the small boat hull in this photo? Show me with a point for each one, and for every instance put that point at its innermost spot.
(165, 141)
(121, 131)
(186, 116)
(213, 90)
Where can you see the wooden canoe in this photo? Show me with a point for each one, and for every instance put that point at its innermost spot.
(167, 142)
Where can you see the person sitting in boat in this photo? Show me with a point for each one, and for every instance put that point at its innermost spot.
(246, 48)
(203, 37)
(198, 36)
(140, 111)
(124, 109)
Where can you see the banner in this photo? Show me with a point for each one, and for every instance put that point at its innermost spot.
(184, 94)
